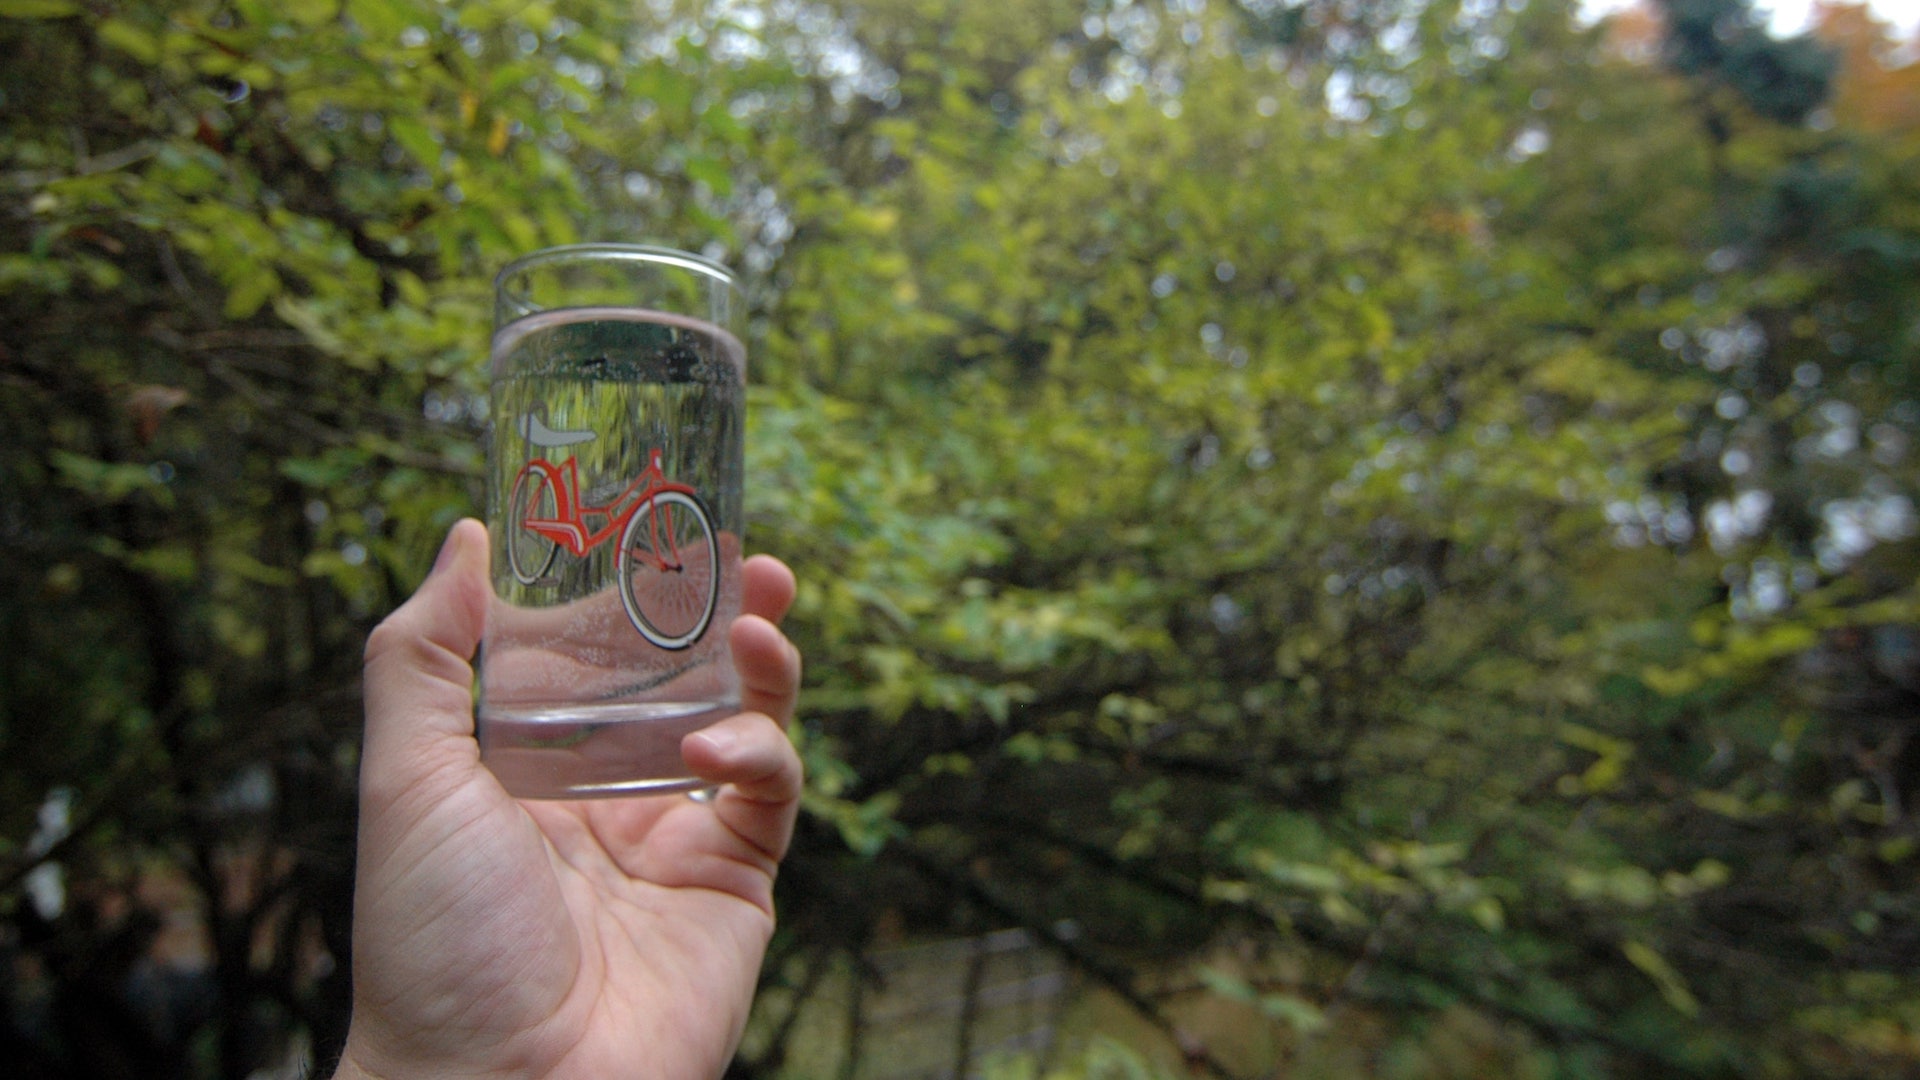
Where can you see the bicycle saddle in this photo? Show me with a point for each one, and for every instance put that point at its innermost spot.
(535, 430)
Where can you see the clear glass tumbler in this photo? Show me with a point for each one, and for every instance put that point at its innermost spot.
(618, 410)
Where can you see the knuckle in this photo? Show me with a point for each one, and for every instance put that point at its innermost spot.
(385, 639)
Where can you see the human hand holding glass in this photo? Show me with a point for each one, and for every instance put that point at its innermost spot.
(494, 936)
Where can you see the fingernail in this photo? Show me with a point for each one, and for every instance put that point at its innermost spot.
(447, 548)
(720, 739)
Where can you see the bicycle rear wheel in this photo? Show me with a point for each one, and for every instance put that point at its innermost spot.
(669, 566)
(529, 554)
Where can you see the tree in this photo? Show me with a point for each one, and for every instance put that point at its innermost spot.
(1211, 369)
(1874, 90)
(246, 250)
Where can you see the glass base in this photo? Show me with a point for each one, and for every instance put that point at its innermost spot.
(595, 751)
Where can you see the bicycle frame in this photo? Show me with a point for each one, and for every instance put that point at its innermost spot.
(579, 527)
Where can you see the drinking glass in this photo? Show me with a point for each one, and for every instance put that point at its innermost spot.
(617, 394)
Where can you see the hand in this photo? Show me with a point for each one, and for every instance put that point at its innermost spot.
(594, 939)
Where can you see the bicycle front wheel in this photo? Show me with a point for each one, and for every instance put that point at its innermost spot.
(669, 566)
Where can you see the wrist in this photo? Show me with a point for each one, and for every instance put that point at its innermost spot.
(358, 1061)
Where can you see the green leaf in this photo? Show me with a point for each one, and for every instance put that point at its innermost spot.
(38, 9)
(417, 139)
(711, 172)
(108, 481)
(1302, 1015)
(129, 39)
(249, 293)
(168, 562)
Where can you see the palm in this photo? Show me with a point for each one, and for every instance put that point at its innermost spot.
(648, 887)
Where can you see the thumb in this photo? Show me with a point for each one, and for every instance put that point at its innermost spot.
(419, 676)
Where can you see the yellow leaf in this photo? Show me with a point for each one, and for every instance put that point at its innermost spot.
(1668, 981)
(1489, 914)
(37, 9)
(1670, 683)
(130, 39)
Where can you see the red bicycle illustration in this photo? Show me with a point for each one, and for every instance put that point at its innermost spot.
(668, 560)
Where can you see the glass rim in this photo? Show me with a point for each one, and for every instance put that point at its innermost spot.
(609, 251)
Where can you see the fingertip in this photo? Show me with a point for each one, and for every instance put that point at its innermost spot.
(460, 539)
(450, 605)
(754, 634)
(771, 565)
(709, 747)
(747, 750)
(464, 560)
(769, 587)
(769, 666)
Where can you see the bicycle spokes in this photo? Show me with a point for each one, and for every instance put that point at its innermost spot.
(670, 572)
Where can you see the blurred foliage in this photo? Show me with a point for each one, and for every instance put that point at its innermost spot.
(1412, 498)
